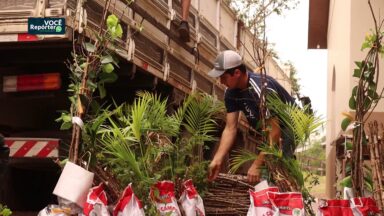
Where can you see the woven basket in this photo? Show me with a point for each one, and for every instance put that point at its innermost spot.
(228, 195)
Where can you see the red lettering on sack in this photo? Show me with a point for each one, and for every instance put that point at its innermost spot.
(167, 208)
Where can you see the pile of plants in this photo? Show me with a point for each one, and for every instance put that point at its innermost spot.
(142, 143)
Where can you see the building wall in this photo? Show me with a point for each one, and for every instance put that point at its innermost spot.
(275, 70)
(338, 72)
(349, 21)
(361, 27)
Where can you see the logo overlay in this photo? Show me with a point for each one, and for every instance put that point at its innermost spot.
(46, 26)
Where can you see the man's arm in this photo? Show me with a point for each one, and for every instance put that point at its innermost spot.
(274, 134)
(254, 171)
(226, 142)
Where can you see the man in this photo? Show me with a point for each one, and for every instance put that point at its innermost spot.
(243, 94)
(184, 27)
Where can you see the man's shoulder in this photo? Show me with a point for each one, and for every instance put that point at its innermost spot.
(230, 92)
(257, 76)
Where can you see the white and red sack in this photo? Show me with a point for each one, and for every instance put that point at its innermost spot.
(191, 201)
(163, 194)
(128, 204)
(364, 206)
(360, 206)
(287, 204)
(260, 203)
(335, 208)
(96, 204)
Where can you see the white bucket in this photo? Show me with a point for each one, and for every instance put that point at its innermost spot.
(74, 184)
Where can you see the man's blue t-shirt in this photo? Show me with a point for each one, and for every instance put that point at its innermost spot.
(248, 100)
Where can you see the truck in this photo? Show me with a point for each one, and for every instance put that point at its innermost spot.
(34, 74)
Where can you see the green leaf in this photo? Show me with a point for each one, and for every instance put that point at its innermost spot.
(118, 31)
(107, 77)
(357, 73)
(241, 157)
(352, 103)
(372, 86)
(354, 91)
(344, 124)
(106, 59)
(6, 212)
(293, 117)
(346, 182)
(91, 84)
(89, 47)
(359, 64)
(82, 66)
(373, 94)
(66, 125)
(72, 99)
(107, 68)
(365, 45)
(367, 103)
(102, 91)
(112, 21)
(66, 117)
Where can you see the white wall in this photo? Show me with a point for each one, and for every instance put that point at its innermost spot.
(339, 28)
(360, 27)
(349, 21)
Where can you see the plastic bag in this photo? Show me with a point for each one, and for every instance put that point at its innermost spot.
(335, 207)
(364, 206)
(191, 201)
(287, 204)
(163, 194)
(96, 204)
(260, 202)
(128, 204)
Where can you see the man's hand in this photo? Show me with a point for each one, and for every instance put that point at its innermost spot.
(254, 173)
(214, 169)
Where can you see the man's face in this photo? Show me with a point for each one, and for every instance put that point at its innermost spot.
(229, 80)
